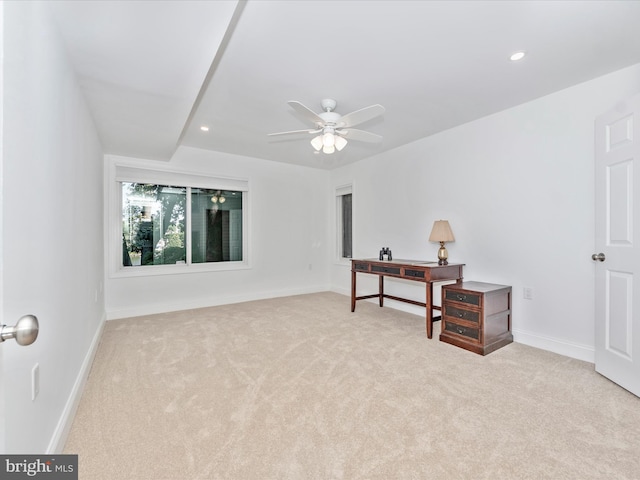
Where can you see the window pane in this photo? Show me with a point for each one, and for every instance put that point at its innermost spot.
(346, 226)
(216, 225)
(153, 225)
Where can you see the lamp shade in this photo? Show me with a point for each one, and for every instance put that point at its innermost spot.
(341, 142)
(441, 232)
(316, 142)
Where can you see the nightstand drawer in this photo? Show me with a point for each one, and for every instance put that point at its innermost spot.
(361, 267)
(462, 314)
(469, 332)
(463, 297)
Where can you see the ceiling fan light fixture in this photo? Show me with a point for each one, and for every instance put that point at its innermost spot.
(218, 198)
(316, 142)
(340, 143)
(328, 139)
(328, 149)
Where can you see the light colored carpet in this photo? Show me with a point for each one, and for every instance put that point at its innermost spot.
(301, 388)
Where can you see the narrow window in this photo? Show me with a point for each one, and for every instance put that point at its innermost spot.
(344, 215)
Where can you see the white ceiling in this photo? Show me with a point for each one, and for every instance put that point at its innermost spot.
(153, 72)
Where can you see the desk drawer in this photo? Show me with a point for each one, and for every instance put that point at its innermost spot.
(456, 296)
(384, 269)
(455, 312)
(361, 267)
(413, 273)
(470, 332)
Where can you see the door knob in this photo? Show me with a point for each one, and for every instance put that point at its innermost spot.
(598, 257)
(25, 331)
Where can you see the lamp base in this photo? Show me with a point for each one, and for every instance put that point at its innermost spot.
(442, 255)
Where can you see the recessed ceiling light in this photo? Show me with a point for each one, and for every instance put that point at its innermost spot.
(204, 128)
(517, 56)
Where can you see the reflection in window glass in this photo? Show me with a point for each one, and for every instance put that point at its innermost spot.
(154, 224)
(216, 225)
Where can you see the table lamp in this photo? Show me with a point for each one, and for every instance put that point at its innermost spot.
(441, 232)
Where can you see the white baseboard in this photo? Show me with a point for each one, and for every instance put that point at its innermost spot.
(151, 309)
(562, 347)
(61, 432)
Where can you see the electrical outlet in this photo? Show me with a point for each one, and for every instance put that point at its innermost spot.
(35, 381)
(527, 293)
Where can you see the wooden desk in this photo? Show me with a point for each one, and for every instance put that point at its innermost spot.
(416, 270)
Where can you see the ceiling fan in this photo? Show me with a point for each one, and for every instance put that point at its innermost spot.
(334, 129)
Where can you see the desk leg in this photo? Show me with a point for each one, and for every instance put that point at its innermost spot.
(381, 289)
(353, 290)
(429, 303)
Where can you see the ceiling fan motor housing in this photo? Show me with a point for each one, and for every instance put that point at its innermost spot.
(330, 118)
(328, 104)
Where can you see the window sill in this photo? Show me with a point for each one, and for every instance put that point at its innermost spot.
(159, 270)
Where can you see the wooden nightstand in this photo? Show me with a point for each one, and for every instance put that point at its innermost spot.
(476, 316)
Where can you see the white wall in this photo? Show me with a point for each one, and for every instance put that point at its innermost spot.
(287, 248)
(52, 230)
(518, 190)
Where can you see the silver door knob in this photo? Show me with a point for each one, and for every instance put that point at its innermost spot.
(25, 331)
(598, 257)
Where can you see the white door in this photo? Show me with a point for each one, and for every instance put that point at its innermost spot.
(2, 409)
(617, 291)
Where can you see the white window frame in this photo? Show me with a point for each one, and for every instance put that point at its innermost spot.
(339, 192)
(118, 173)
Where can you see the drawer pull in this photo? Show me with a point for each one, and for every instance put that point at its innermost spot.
(461, 330)
(461, 315)
(461, 297)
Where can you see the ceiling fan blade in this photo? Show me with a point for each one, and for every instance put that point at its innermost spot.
(360, 135)
(361, 116)
(306, 112)
(293, 132)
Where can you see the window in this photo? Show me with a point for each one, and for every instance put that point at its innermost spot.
(344, 197)
(216, 226)
(153, 224)
(179, 220)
